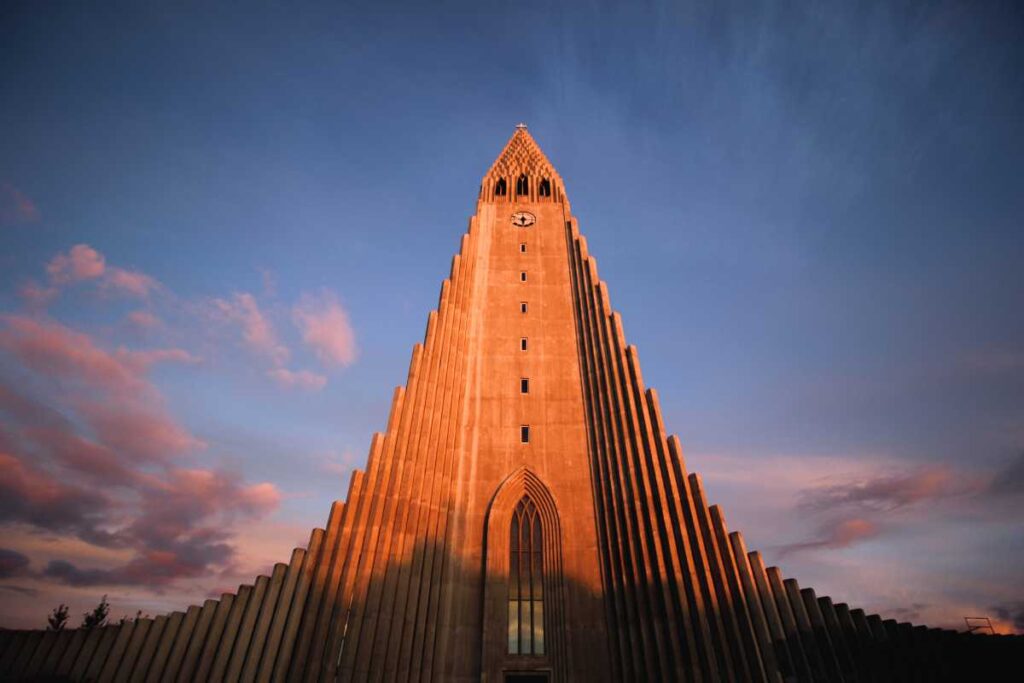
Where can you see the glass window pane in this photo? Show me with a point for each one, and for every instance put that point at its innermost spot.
(538, 627)
(513, 627)
(513, 539)
(513, 577)
(526, 627)
(537, 587)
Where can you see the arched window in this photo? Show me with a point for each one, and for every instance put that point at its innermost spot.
(522, 186)
(499, 188)
(544, 190)
(526, 581)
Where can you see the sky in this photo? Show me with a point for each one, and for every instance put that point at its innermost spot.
(221, 230)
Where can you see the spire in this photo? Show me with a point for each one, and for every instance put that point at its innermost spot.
(522, 156)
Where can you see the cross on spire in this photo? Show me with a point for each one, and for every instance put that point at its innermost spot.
(520, 126)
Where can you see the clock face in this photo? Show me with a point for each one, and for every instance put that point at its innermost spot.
(523, 219)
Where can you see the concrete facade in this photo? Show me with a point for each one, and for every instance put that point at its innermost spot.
(632, 575)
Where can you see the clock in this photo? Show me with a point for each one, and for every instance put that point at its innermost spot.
(523, 219)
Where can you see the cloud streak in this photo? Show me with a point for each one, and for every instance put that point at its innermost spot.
(891, 492)
(836, 534)
(299, 379)
(15, 207)
(257, 331)
(82, 264)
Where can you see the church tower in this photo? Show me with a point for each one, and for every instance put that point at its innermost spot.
(524, 517)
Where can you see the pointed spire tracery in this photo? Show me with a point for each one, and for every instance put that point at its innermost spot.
(522, 164)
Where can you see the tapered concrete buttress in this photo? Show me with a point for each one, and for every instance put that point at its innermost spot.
(117, 650)
(228, 640)
(122, 673)
(211, 643)
(148, 650)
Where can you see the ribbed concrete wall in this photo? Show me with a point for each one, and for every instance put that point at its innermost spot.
(386, 592)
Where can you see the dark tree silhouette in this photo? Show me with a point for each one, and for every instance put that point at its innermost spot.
(97, 617)
(58, 618)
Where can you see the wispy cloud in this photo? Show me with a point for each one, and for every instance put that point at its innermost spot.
(130, 283)
(144, 320)
(836, 534)
(259, 334)
(301, 379)
(892, 491)
(325, 328)
(1010, 479)
(15, 207)
(81, 263)
(257, 331)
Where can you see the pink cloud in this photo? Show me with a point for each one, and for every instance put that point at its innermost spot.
(257, 331)
(56, 351)
(892, 491)
(190, 492)
(837, 534)
(142, 433)
(109, 390)
(259, 499)
(130, 282)
(81, 263)
(300, 379)
(36, 296)
(180, 531)
(89, 454)
(144, 320)
(15, 207)
(142, 360)
(177, 524)
(326, 329)
(31, 495)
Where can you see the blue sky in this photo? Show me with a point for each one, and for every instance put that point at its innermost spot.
(809, 216)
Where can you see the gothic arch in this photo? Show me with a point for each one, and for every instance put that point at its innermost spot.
(522, 186)
(544, 189)
(523, 483)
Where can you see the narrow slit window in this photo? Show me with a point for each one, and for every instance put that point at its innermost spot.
(524, 434)
(522, 344)
(522, 307)
(522, 276)
(522, 247)
(524, 385)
